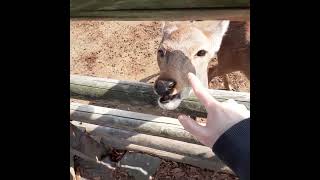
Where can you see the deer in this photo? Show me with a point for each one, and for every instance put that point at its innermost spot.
(189, 47)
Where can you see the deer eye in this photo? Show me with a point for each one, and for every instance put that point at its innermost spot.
(161, 53)
(201, 53)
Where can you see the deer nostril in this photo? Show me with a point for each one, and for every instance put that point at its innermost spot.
(164, 87)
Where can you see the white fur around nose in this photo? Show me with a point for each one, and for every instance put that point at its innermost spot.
(174, 104)
(171, 105)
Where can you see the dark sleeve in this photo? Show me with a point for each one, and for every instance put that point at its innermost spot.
(233, 148)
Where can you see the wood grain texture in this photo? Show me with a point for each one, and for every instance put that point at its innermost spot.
(165, 144)
(142, 94)
(192, 154)
(213, 164)
(82, 142)
(138, 122)
(161, 10)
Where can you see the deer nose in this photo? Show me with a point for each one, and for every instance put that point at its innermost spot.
(164, 87)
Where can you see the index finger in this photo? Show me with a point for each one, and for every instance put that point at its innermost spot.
(201, 92)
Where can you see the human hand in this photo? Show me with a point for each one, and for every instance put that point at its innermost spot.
(221, 116)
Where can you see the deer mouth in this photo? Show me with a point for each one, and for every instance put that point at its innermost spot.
(170, 102)
(167, 98)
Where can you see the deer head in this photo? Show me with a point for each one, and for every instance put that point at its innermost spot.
(185, 47)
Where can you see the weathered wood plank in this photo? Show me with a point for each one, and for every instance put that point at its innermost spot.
(83, 156)
(168, 15)
(142, 94)
(161, 10)
(165, 144)
(82, 142)
(216, 164)
(213, 163)
(138, 122)
(72, 171)
(90, 170)
(210, 163)
(156, 4)
(126, 114)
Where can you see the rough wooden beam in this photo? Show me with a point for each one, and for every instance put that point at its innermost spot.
(142, 94)
(168, 15)
(72, 171)
(156, 4)
(165, 144)
(132, 121)
(192, 154)
(74, 152)
(82, 142)
(161, 10)
(216, 164)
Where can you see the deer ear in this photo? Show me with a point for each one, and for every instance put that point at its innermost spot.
(168, 27)
(216, 31)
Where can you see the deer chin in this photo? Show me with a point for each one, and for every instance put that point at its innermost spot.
(172, 102)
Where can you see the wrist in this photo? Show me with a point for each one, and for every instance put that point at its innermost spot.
(225, 126)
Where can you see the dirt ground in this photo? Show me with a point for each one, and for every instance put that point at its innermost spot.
(127, 51)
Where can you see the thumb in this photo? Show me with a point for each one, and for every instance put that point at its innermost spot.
(191, 126)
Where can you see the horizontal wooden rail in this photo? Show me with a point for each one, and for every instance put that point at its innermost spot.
(131, 121)
(142, 94)
(165, 144)
(193, 154)
(161, 10)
